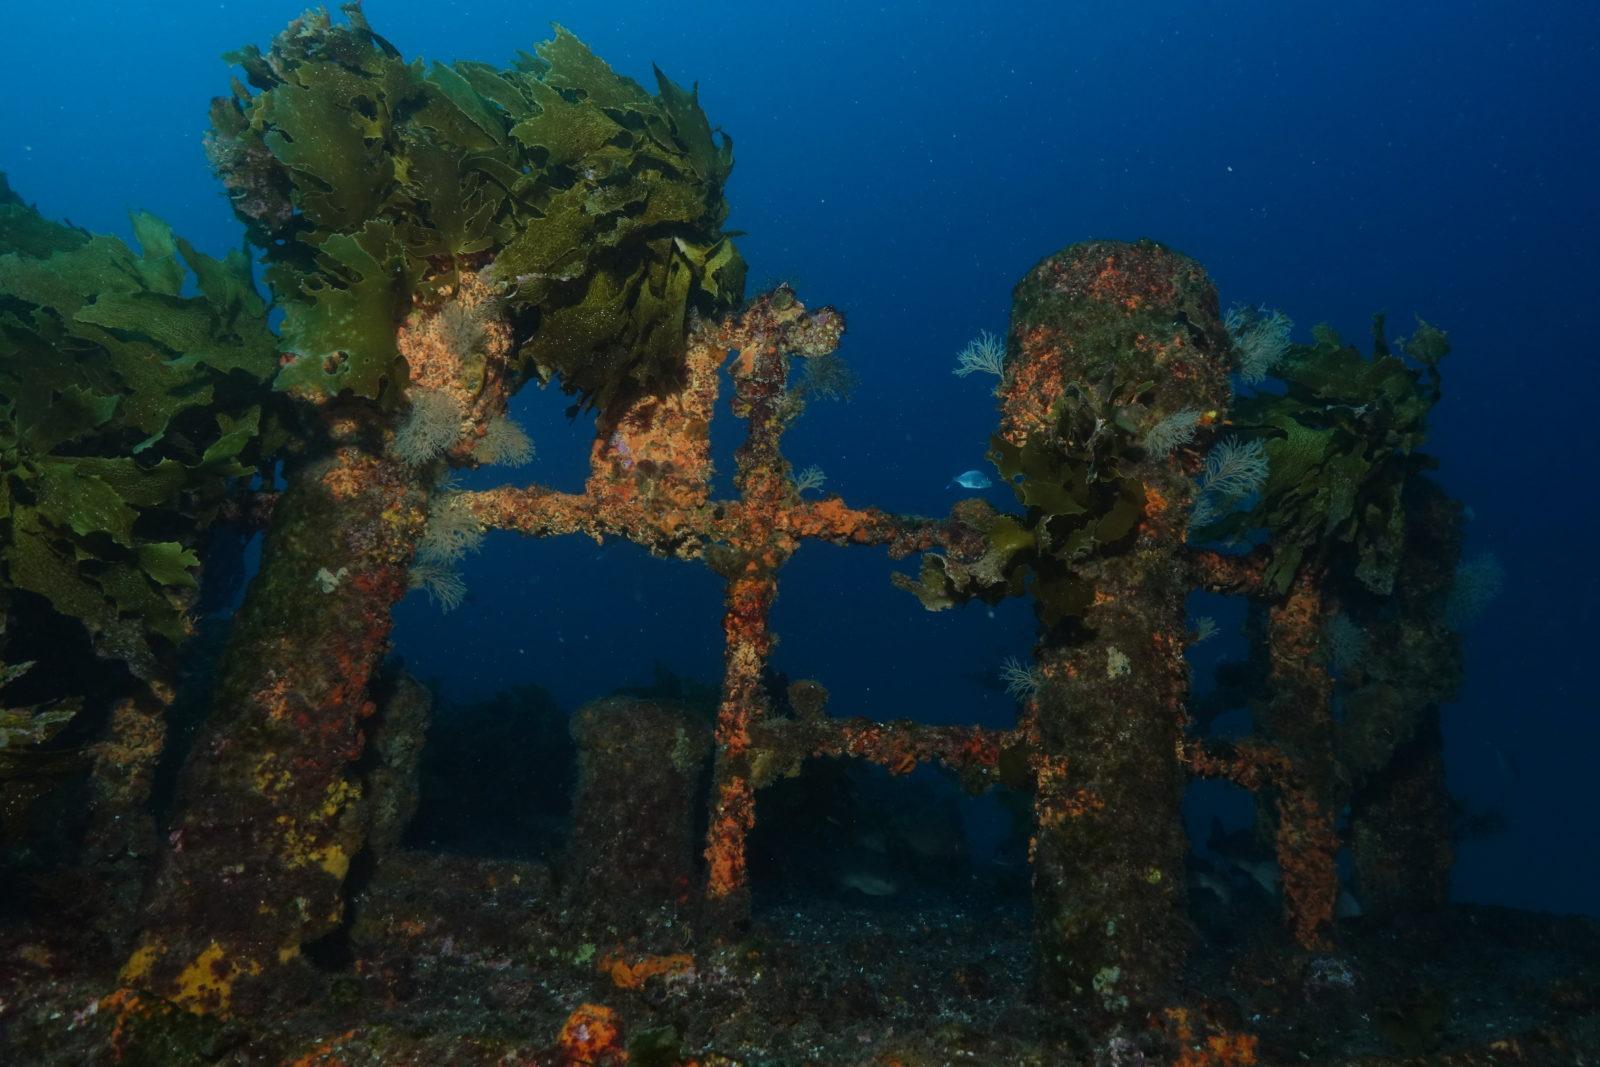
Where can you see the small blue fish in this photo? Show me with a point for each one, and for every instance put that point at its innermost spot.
(970, 480)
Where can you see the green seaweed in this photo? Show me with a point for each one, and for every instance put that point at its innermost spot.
(28, 768)
(22, 730)
(1080, 498)
(25, 231)
(944, 582)
(369, 181)
(1342, 441)
(127, 409)
(1080, 502)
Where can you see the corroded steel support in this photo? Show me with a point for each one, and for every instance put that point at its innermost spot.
(1297, 716)
(1383, 760)
(1229, 575)
(1135, 329)
(635, 838)
(1401, 830)
(757, 546)
(1303, 836)
(1390, 739)
(649, 482)
(900, 746)
(269, 815)
(270, 811)
(1306, 784)
(121, 842)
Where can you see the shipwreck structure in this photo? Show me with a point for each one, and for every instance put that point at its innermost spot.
(438, 239)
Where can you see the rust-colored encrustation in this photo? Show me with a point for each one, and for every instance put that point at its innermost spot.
(649, 482)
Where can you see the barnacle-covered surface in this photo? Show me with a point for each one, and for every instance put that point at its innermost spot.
(623, 856)
(267, 801)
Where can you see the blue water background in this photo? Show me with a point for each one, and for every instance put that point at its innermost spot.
(908, 163)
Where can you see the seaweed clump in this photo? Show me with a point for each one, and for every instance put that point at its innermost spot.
(28, 769)
(128, 412)
(1080, 496)
(1079, 433)
(1342, 441)
(372, 183)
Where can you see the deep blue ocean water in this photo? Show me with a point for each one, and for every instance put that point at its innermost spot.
(907, 163)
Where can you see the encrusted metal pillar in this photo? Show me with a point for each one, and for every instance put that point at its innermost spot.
(1296, 716)
(633, 854)
(1109, 340)
(758, 542)
(122, 841)
(269, 813)
(1390, 739)
(1401, 830)
(270, 809)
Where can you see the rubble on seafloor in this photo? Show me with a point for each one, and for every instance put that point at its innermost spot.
(457, 960)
